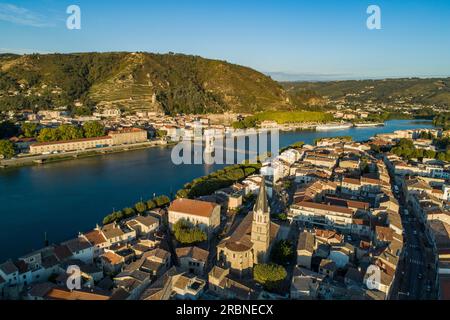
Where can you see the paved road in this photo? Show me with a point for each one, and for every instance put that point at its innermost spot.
(416, 279)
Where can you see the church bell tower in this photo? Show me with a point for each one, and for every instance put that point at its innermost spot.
(261, 226)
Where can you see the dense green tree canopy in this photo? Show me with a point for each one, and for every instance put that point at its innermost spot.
(282, 252)
(220, 179)
(140, 207)
(93, 129)
(269, 275)
(29, 130)
(186, 233)
(7, 149)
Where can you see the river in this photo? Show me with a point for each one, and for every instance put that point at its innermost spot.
(62, 199)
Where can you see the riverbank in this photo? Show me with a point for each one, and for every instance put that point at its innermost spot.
(52, 158)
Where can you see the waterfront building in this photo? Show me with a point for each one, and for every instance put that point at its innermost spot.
(143, 225)
(72, 145)
(98, 240)
(128, 136)
(116, 235)
(114, 138)
(80, 249)
(205, 215)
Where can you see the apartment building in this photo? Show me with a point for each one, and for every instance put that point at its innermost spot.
(114, 138)
(322, 215)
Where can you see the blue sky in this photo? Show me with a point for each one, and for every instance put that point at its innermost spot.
(318, 40)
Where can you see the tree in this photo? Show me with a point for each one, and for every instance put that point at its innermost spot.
(269, 275)
(186, 233)
(7, 149)
(140, 207)
(161, 133)
(442, 156)
(93, 129)
(151, 205)
(430, 154)
(161, 201)
(113, 217)
(282, 252)
(68, 132)
(128, 212)
(29, 129)
(48, 135)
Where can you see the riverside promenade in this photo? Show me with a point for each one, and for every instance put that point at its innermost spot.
(40, 159)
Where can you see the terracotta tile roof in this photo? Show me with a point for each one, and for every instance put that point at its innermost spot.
(351, 181)
(327, 264)
(384, 233)
(125, 130)
(62, 294)
(69, 141)
(329, 235)
(147, 221)
(41, 289)
(8, 267)
(325, 207)
(95, 237)
(62, 252)
(112, 257)
(193, 207)
(217, 272)
(237, 246)
(195, 253)
(157, 253)
(348, 203)
(306, 242)
(112, 231)
(182, 282)
(77, 244)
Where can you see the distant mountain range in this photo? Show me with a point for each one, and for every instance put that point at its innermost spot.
(411, 90)
(176, 83)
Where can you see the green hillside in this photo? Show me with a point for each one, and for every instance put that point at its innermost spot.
(172, 83)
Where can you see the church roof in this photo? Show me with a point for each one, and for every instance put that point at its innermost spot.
(262, 204)
(240, 240)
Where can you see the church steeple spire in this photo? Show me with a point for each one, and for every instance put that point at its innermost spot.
(260, 236)
(262, 204)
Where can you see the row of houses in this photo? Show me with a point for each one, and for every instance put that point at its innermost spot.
(349, 220)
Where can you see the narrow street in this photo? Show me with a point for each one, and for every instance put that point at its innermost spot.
(416, 279)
